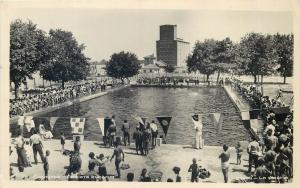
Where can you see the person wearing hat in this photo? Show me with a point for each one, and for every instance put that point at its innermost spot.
(194, 169)
(176, 170)
(198, 128)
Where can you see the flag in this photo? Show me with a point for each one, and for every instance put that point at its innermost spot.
(141, 120)
(281, 113)
(29, 123)
(164, 121)
(77, 125)
(254, 113)
(249, 118)
(217, 119)
(101, 125)
(52, 122)
(254, 123)
(245, 115)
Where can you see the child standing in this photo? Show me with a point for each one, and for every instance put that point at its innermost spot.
(46, 165)
(62, 141)
(102, 165)
(239, 152)
(195, 171)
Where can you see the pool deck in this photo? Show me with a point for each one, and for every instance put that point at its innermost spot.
(163, 158)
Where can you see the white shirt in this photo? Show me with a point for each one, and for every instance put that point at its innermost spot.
(270, 127)
(198, 127)
(153, 127)
(35, 139)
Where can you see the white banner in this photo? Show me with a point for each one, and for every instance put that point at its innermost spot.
(77, 125)
(101, 125)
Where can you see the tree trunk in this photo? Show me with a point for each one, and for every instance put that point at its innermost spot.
(207, 77)
(284, 79)
(43, 83)
(255, 78)
(258, 78)
(218, 77)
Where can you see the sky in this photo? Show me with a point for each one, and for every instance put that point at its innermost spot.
(106, 31)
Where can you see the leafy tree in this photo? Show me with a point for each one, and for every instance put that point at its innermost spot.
(203, 58)
(255, 55)
(169, 68)
(224, 52)
(27, 51)
(67, 61)
(122, 65)
(283, 46)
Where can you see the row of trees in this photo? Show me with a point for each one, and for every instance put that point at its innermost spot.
(255, 55)
(57, 55)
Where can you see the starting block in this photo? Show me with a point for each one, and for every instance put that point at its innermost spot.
(158, 141)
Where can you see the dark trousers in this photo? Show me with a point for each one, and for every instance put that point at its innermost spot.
(117, 164)
(46, 169)
(111, 140)
(194, 178)
(126, 138)
(37, 148)
(21, 158)
(154, 136)
(225, 174)
(252, 160)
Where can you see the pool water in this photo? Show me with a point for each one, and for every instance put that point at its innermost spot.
(180, 103)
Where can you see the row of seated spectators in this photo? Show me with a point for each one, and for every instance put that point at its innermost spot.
(42, 98)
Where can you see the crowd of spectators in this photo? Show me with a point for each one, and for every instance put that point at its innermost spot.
(46, 97)
(272, 155)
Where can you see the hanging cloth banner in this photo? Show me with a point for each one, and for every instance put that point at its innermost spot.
(141, 120)
(164, 121)
(77, 125)
(101, 125)
(52, 122)
(245, 115)
(217, 119)
(29, 123)
(254, 114)
(281, 112)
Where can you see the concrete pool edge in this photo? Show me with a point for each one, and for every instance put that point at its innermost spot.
(240, 106)
(67, 103)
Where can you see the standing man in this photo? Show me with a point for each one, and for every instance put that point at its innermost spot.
(119, 156)
(154, 132)
(77, 144)
(253, 149)
(37, 146)
(126, 134)
(198, 128)
(22, 160)
(137, 136)
(224, 156)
